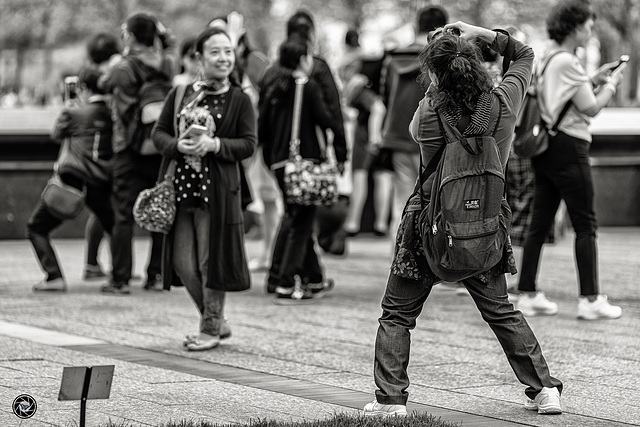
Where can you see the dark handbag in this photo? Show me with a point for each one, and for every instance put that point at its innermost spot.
(62, 200)
(532, 134)
(155, 208)
(307, 182)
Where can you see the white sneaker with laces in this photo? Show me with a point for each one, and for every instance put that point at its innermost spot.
(598, 309)
(536, 304)
(375, 409)
(546, 402)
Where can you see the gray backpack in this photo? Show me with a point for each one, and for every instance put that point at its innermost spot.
(464, 225)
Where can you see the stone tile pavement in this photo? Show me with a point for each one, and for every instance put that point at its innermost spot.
(307, 362)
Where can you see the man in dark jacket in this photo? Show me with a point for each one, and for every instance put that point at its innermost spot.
(85, 132)
(402, 93)
(133, 171)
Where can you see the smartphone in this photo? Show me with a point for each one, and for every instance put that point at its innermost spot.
(623, 59)
(70, 88)
(193, 131)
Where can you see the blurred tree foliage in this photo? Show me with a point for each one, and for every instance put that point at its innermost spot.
(47, 24)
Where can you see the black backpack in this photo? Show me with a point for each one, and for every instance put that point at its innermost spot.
(531, 132)
(464, 226)
(154, 87)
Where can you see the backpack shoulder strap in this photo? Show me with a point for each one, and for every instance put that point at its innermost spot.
(567, 106)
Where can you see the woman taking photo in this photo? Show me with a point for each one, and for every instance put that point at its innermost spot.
(563, 171)
(462, 96)
(205, 248)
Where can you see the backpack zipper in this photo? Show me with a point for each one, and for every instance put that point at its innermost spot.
(488, 233)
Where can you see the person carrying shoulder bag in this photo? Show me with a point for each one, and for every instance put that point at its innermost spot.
(85, 132)
(563, 172)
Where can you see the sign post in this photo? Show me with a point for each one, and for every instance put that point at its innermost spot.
(83, 383)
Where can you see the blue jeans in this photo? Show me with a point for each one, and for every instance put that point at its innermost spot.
(191, 264)
(563, 173)
(401, 305)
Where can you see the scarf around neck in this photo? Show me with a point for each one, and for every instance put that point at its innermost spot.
(480, 118)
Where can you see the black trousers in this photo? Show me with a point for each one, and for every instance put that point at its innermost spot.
(132, 173)
(42, 223)
(563, 173)
(294, 252)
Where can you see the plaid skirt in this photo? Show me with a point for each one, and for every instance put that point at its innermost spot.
(521, 188)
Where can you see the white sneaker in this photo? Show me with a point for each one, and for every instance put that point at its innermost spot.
(55, 285)
(546, 402)
(598, 309)
(375, 409)
(536, 304)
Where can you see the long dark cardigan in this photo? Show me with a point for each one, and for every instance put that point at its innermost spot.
(227, 259)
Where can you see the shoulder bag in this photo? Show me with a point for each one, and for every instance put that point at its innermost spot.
(61, 199)
(307, 182)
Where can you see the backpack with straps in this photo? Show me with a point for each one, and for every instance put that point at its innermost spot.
(155, 85)
(464, 225)
(532, 133)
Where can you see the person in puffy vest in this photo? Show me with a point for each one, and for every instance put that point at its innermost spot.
(462, 94)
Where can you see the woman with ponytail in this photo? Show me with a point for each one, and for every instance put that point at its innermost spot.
(462, 94)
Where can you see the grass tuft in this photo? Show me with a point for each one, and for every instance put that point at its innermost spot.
(341, 420)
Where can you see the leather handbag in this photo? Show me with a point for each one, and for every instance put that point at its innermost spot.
(62, 200)
(155, 208)
(307, 182)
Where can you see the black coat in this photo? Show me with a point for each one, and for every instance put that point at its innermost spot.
(227, 259)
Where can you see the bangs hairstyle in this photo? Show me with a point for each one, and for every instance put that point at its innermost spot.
(566, 16)
(457, 64)
(206, 35)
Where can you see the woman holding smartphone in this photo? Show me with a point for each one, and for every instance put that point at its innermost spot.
(205, 248)
(563, 171)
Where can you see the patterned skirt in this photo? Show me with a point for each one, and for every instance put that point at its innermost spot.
(409, 260)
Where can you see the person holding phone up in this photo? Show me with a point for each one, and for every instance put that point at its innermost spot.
(205, 248)
(563, 171)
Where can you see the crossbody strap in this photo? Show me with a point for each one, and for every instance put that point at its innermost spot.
(294, 142)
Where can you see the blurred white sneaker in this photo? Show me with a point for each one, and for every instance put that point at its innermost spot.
(536, 304)
(55, 285)
(598, 309)
(546, 402)
(375, 409)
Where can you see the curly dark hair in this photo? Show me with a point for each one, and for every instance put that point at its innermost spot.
(566, 16)
(457, 65)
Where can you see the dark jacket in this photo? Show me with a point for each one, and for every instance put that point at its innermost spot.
(276, 117)
(88, 132)
(123, 80)
(401, 96)
(227, 261)
(323, 77)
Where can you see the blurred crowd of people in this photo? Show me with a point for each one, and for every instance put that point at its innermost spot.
(223, 135)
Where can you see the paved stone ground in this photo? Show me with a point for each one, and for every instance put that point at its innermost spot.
(307, 362)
